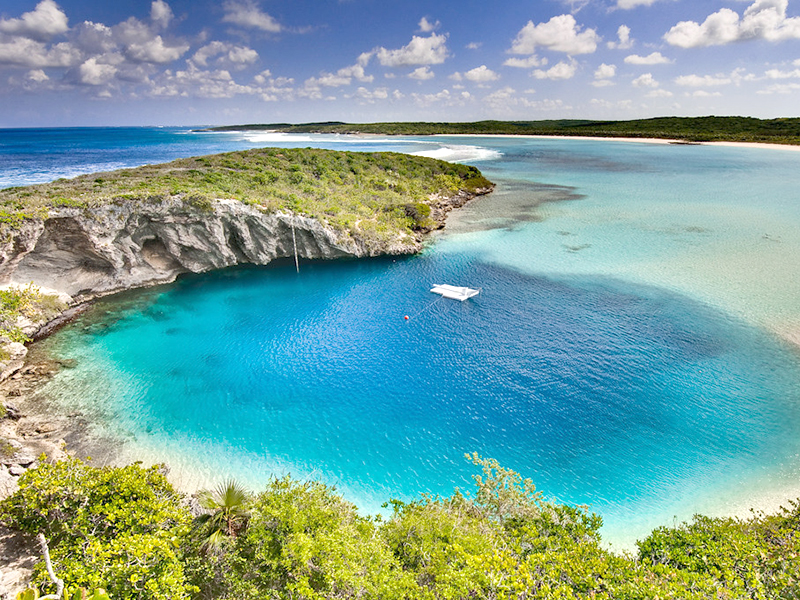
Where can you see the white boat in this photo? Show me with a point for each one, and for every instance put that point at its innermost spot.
(454, 292)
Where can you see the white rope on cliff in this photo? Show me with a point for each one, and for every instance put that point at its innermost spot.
(294, 243)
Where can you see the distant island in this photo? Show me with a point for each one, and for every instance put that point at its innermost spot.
(689, 129)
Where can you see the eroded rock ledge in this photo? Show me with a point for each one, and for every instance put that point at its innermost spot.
(87, 253)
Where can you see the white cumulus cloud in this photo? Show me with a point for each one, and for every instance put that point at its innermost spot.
(194, 82)
(225, 54)
(647, 81)
(426, 100)
(778, 74)
(654, 58)
(628, 4)
(160, 13)
(94, 73)
(246, 13)
(703, 80)
(561, 34)
(658, 93)
(343, 76)
(603, 75)
(273, 89)
(426, 26)
(36, 75)
(421, 74)
(780, 88)
(481, 74)
(25, 52)
(764, 19)
(505, 100)
(42, 23)
(624, 41)
(605, 71)
(431, 50)
(371, 96)
(155, 50)
(525, 63)
(559, 71)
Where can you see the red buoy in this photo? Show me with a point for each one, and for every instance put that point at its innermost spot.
(406, 317)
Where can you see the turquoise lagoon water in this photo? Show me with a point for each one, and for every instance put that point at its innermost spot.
(628, 350)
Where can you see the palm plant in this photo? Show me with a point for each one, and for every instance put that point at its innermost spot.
(228, 513)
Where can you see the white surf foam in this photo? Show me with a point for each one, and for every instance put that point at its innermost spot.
(271, 137)
(460, 153)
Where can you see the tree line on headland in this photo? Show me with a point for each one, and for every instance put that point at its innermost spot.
(125, 530)
(380, 190)
(690, 129)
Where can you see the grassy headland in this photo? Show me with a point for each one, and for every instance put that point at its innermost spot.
(380, 190)
(692, 129)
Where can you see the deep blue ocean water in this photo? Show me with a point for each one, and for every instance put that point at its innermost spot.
(628, 349)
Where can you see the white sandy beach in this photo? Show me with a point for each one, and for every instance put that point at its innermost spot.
(789, 147)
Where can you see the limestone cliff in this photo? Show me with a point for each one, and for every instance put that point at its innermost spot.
(87, 252)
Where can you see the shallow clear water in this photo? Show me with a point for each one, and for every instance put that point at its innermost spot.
(627, 350)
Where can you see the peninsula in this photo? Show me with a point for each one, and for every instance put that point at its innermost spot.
(689, 129)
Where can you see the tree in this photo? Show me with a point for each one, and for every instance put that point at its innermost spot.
(229, 514)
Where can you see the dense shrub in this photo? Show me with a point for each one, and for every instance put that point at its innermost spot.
(125, 529)
(303, 540)
(122, 529)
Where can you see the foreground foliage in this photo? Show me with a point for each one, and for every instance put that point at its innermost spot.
(127, 528)
(696, 129)
(369, 192)
(121, 529)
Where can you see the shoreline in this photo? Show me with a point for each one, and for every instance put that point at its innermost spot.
(660, 141)
(643, 140)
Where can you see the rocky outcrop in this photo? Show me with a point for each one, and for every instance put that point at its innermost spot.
(90, 252)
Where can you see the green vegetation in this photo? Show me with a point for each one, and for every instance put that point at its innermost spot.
(6, 449)
(127, 529)
(227, 514)
(351, 191)
(27, 302)
(694, 129)
(119, 529)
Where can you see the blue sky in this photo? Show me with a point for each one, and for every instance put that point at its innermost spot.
(198, 62)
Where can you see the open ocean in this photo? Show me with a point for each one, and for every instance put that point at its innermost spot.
(630, 348)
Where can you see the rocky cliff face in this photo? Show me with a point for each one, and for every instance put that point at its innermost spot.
(90, 252)
(86, 253)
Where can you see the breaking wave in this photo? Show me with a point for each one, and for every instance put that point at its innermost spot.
(461, 153)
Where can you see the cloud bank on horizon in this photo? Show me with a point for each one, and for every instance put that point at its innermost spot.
(78, 62)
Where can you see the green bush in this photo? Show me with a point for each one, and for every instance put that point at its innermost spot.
(125, 529)
(122, 529)
(28, 302)
(753, 558)
(303, 541)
